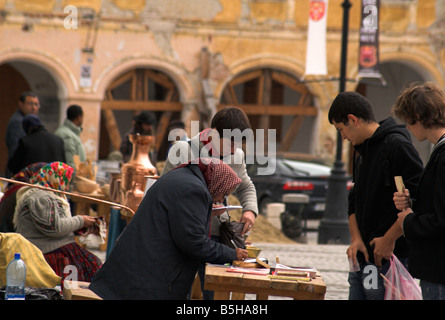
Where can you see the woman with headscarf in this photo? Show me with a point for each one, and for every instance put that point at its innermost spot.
(8, 201)
(158, 253)
(44, 218)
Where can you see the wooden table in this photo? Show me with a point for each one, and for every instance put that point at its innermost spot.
(222, 282)
(78, 290)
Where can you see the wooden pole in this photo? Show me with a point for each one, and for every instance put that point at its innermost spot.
(114, 204)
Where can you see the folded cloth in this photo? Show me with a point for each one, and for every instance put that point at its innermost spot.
(39, 274)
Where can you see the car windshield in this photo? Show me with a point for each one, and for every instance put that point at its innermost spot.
(299, 168)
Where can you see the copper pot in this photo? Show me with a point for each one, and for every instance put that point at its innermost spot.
(134, 172)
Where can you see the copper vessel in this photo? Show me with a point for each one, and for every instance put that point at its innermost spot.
(134, 172)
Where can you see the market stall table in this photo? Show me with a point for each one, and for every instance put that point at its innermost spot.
(223, 282)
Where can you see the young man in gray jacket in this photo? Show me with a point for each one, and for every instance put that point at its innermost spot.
(70, 133)
(229, 118)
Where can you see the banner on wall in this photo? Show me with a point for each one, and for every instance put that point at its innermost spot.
(316, 38)
(369, 41)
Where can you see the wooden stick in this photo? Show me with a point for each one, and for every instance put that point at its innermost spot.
(394, 288)
(399, 184)
(113, 204)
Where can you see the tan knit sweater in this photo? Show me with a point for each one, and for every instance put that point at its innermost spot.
(44, 218)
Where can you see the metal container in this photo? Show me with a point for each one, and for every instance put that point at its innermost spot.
(134, 172)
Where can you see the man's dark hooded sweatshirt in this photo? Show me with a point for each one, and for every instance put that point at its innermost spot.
(387, 153)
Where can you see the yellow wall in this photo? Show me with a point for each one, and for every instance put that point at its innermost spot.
(170, 34)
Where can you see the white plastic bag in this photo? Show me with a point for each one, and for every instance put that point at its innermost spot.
(399, 284)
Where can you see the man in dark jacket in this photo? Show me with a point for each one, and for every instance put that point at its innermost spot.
(38, 145)
(157, 255)
(28, 103)
(422, 107)
(384, 151)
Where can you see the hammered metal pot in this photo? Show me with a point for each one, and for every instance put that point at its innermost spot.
(134, 172)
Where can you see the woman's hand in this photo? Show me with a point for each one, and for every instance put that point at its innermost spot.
(241, 254)
(216, 212)
(88, 220)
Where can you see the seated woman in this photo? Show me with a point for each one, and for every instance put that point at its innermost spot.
(8, 201)
(44, 218)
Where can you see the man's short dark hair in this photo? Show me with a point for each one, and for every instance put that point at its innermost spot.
(230, 118)
(25, 94)
(349, 102)
(73, 112)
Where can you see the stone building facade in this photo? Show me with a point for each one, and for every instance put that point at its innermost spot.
(184, 59)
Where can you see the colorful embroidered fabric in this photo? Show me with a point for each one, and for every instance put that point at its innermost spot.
(56, 175)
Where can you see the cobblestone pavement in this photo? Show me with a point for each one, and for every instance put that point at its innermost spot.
(329, 260)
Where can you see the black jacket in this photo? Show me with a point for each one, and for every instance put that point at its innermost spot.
(425, 228)
(387, 153)
(158, 253)
(39, 146)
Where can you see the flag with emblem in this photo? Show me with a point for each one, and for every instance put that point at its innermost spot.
(316, 38)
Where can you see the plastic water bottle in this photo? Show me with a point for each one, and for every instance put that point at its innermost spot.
(15, 279)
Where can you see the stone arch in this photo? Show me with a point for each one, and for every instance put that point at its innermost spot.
(178, 75)
(183, 92)
(400, 68)
(284, 70)
(64, 78)
(292, 66)
(28, 70)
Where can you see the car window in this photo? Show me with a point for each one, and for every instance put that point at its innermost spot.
(299, 168)
(252, 169)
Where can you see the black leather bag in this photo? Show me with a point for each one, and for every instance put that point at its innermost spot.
(231, 230)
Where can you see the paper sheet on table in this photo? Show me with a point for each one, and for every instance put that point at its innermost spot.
(249, 270)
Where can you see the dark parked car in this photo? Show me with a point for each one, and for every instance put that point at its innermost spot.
(292, 176)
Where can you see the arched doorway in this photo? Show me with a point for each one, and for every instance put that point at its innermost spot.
(17, 77)
(133, 91)
(398, 75)
(273, 99)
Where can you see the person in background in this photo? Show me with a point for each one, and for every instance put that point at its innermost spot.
(144, 124)
(422, 216)
(157, 255)
(44, 218)
(8, 201)
(38, 145)
(176, 130)
(28, 103)
(382, 150)
(70, 132)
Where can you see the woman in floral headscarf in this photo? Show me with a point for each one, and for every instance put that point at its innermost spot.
(44, 218)
(8, 201)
